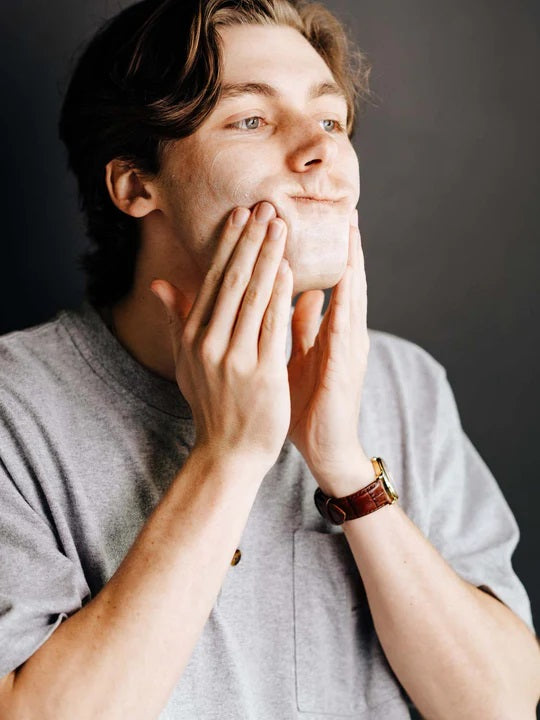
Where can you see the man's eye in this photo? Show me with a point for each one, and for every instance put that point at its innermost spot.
(338, 127)
(249, 124)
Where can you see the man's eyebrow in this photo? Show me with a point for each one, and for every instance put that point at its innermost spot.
(326, 87)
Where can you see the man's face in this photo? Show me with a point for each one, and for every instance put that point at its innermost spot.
(255, 146)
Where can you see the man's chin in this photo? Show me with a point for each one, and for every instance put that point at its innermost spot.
(320, 282)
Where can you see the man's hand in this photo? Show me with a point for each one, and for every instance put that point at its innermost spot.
(326, 373)
(229, 347)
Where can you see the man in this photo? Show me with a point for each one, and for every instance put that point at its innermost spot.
(162, 553)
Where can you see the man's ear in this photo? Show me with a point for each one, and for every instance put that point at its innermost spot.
(128, 190)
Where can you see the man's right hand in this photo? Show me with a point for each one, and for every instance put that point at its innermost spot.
(230, 345)
(237, 385)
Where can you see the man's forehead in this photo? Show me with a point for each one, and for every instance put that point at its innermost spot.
(274, 55)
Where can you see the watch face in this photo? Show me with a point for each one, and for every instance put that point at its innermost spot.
(387, 481)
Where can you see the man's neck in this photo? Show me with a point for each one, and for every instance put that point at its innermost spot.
(139, 320)
(142, 328)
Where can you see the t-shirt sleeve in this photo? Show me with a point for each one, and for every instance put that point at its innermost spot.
(471, 523)
(39, 586)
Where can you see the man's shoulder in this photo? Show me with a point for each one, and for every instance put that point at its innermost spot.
(29, 343)
(401, 364)
(400, 352)
(30, 355)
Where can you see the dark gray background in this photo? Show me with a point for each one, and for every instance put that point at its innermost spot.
(449, 212)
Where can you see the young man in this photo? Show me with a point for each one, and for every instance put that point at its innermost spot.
(161, 447)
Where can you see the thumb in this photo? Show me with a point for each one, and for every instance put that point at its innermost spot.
(305, 320)
(175, 305)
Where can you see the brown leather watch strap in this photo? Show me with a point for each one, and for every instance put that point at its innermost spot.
(362, 502)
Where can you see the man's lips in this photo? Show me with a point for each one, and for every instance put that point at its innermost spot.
(301, 199)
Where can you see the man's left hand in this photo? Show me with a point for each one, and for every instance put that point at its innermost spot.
(326, 375)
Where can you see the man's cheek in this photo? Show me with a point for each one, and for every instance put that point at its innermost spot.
(234, 180)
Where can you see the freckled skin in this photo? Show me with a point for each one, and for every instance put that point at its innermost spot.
(207, 174)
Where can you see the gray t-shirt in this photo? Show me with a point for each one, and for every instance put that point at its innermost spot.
(89, 442)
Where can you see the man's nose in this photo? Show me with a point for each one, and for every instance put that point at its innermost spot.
(311, 145)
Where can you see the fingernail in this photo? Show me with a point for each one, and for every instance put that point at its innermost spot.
(240, 216)
(275, 229)
(264, 212)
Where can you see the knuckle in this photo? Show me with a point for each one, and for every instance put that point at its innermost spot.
(282, 289)
(271, 250)
(189, 333)
(207, 351)
(255, 234)
(252, 295)
(235, 366)
(271, 321)
(271, 256)
(213, 275)
(234, 278)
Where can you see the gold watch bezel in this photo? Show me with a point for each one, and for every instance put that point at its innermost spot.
(386, 479)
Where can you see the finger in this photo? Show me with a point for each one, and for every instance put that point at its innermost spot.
(327, 325)
(237, 277)
(352, 259)
(204, 302)
(306, 320)
(353, 239)
(245, 337)
(339, 316)
(358, 285)
(176, 308)
(275, 324)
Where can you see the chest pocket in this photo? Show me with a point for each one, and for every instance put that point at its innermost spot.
(341, 669)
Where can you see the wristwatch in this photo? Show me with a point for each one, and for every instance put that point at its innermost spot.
(370, 498)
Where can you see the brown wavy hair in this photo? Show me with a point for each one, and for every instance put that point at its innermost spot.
(151, 75)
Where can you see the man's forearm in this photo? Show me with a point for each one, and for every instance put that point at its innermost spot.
(457, 651)
(121, 655)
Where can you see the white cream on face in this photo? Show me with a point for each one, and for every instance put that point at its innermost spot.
(317, 251)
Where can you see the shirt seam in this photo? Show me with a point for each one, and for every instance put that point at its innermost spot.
(110, 379)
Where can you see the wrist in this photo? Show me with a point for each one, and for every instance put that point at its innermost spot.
(234, 467)
(355, 473)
